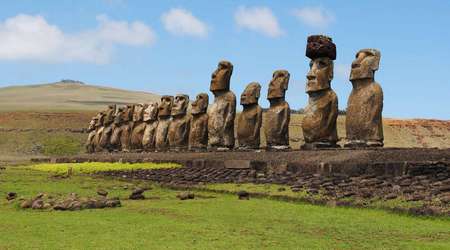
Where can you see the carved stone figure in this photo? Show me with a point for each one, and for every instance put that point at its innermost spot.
(198, 134)
(278, 116)
(105, 139)
(250, 119)
(222, 112)
(150, 119)
(178, 133)
(126, 128)
(363, 123)
(116, 129)
(319, 122)
(90, 144)
(138, 127)
(164, 112)
(99, 132)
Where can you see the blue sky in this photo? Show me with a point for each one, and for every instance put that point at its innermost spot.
(170, 47)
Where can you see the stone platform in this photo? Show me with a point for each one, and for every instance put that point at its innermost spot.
(384, 161)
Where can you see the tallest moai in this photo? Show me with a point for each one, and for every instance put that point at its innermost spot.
(319, 122)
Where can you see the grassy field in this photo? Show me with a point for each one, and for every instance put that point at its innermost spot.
(212, 220)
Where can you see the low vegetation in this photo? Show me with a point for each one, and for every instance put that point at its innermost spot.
(210, 221)
(93, 167)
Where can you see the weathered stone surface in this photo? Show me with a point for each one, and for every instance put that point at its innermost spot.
(198, 133)
(137, 132)
(150, 119)
(105, 139)
(278, 116)
(363, 121)
(185, 196)
(98, 131)
(320, 46)
(178, 134)
(90, 142)
(319, 122)
(222, 112)
(116, 132)
(250, 119)
(126, 128)
(164, 112)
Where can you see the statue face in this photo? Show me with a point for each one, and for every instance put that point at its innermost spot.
(320, 74)
(251, 94)
(92, 123)
(151, 111)
(200, 105)
(100, 119)
(365, 64)
(165, 107)
(220, 78)
(128, 113)
(138, 112)
(180, 105)
(279, 84)
(109, 114)
(118, 117)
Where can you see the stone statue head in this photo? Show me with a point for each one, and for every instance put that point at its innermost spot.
(100, 119)
(151, 112)
(320, 74)
(279, 84)
(365, 64)
(200, 105)
(251, 94)
(322, 51)
(118, 117)
(138, 113)
(180, 104)
(128, 113)
(220, 78)
(165, 106)
(92, 123)
(109, 113)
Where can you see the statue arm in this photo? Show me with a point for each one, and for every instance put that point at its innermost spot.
(230, 113)
(286, 119)
(258, 123)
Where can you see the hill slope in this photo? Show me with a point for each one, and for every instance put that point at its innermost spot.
(67, 95)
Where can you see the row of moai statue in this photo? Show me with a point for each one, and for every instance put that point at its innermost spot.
(167, 125)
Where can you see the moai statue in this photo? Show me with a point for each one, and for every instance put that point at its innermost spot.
(178, 133)
(116, 131)
(363, 122)
(319, 122)
(99, 132)
(107, 128)
(164, 112)
(278, 116)
(138, 127)
(222, 112)
(126, 127)
(250, 119)
(90, 145)
(198, 134)
(151, 122)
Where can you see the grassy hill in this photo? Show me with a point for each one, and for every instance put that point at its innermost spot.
(67, 95)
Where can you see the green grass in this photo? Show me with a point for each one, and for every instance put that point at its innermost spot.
(213, 221)
(92, 167)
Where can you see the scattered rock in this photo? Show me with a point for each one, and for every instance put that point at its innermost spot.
(186, 196)
(102, 192)
(243, 195)
(26, 204)
(37, 204)
(137, 194)
(281, 189)
(11, 196)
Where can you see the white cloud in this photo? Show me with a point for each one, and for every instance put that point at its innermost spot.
(181, 22)
(259, 19)
(342, 71)
(27, 37)
(316, 17)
